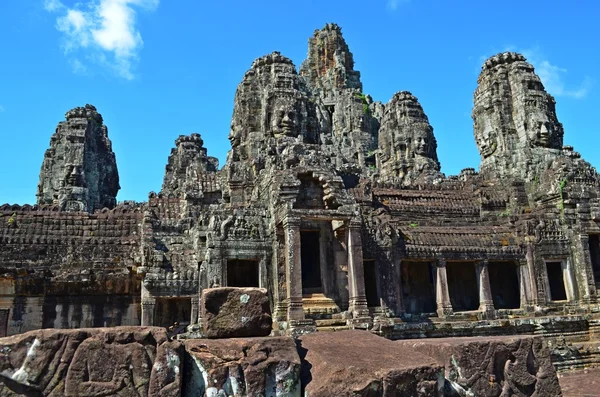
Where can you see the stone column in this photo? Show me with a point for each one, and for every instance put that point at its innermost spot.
(195, 309)
(569, 280)
(399, 309)
(442, 296)
(486, 301)
(538, 292)
(148, 303)
(584, 271)
(293, 268)
(148, 311)
(356, 272)
(526, 295)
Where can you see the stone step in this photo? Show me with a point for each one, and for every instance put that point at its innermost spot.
(333, 329)
(330, 322)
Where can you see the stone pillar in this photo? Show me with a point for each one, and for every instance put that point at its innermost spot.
(293, 268)
(583, 269)
(486, 301)
(356, 272)
(442, 296)
(195, 310)
(526, 290)
(148, 303)
(148, 311)
(399, 309)
(569, 280)
(539, 293)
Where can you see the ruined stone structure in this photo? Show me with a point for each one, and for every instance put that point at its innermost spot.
(79, 172)
(333, 203)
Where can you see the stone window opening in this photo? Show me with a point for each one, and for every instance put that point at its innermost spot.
(371, 284)
(558, 279)
(418, 287)
(504, 283)
(462, 286)
(594, 246)
(310, 253)
(242, 273)
(171, 310)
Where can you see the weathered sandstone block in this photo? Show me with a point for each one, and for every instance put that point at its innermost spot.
(359, 363)
(120, 361)
(492, 366)
(230, 312)
(242, 367)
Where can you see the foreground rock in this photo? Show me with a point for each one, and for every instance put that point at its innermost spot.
(120, 361)
(242, 367)
(492, 367)
(581, 383)
(230, 312)
(358, 363)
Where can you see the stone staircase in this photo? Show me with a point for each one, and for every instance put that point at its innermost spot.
(331, 324)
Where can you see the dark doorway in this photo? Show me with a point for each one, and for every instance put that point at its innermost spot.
(504, 282)
(311, 262)
(418, 290)
(371, 283)
(556, 281)
(462, 286)
(3, 322)
(594, 243)
(171, 310)
(242, 273)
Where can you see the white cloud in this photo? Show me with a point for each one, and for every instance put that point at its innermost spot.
(52, 5)
(554, 76)
(393, 4)
(105, 29)
(78, 67)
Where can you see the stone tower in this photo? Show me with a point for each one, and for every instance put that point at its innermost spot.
(329, 65)
(348, 118)
(187, 162)
(515, 122)
(407, 146)
(79, 171)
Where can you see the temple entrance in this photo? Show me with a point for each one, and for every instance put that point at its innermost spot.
(556, 281)
(170, 310)
(371, 283)
(3, 322)
(242, 273)
(504, 283)
(418, 287)
(462, 286)
(594, 242)
(311, 262)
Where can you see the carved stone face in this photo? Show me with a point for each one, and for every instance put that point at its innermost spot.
(486, 139)
(540, 130)
(285, 117)
(421, 143)
(234, 136)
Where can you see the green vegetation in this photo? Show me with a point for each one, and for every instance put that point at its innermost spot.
(413, 224)
(365, 103)
(561, 187)
(12, 219)
(506, 212)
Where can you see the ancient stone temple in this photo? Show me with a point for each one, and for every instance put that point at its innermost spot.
(79, 172)
(331, 202)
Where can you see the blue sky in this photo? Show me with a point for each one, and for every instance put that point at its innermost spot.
(156, 69)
